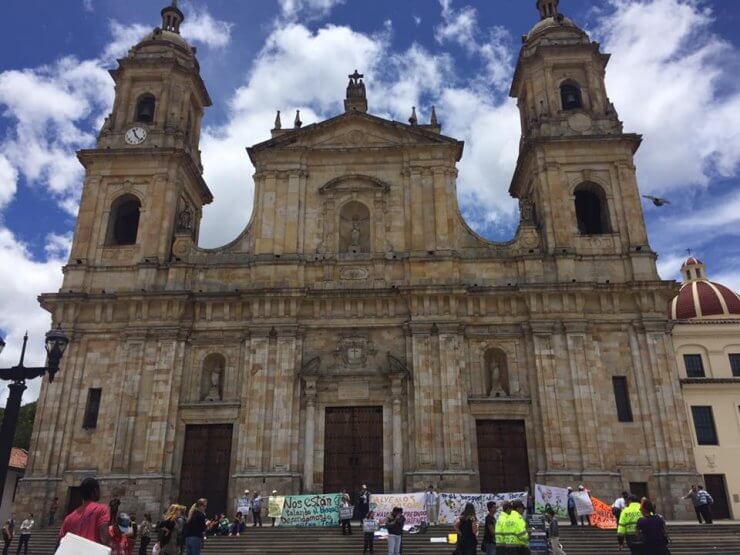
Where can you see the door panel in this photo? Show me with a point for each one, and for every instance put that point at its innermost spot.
(353, 449)
(715, 485)
(205, 465)
(503, 461)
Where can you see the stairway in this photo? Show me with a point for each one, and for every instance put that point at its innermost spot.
(718, 539)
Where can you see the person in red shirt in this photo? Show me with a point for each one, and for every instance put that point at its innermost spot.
(120, 542)
(91, 519)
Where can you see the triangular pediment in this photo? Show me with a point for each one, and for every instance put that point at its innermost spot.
(356, 130)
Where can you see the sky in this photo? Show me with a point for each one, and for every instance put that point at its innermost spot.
(672, 76)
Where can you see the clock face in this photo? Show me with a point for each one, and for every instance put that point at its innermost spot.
(136, 135)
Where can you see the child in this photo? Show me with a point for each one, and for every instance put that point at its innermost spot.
(368, 528)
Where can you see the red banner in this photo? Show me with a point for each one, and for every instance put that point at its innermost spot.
(602, 516)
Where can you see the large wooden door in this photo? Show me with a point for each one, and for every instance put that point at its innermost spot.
(205, 465)
(502, 456)
(717, 488)
(353, 449)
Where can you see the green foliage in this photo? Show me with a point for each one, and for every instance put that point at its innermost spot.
(25, 425)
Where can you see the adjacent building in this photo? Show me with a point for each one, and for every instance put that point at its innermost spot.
(357, 330)
(706, 338)
(16, 470)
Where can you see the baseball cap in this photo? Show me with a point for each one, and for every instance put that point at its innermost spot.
(124, 523)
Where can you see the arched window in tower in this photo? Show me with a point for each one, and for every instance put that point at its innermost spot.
(145, 108)
(495, 373)
(124, 221)
(570, 96)
(354, 228)
(592, 211)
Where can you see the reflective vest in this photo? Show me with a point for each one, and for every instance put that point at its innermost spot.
(628, 520)
(502, 529)
(519, 533)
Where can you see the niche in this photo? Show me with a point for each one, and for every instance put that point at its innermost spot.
(354, 228)
(495, 373)
(212, 378)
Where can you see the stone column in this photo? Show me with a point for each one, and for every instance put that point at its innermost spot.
(397, 425)
(282, 415)
(451, 361)
(255, 422)
(425, 433)
(308, 450)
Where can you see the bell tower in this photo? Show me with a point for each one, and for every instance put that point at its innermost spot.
(143, 182)
(576, 165)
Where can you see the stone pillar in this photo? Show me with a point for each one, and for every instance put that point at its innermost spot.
(310, 434)
(255, 422)
(397, 425)
(451, 361)
(425, 433)
(282, 412)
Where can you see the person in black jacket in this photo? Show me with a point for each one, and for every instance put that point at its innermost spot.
(195, 527)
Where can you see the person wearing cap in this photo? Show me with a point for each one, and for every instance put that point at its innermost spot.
(273, 494)
(584, 518)
(572, 508)
(363, 503)
(246, 506)
(120, 543)
(91, 519)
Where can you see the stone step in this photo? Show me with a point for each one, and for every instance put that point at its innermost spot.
(722, 539)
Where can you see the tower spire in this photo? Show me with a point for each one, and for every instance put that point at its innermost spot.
(548, 8)
(172, 18)
(356, 95)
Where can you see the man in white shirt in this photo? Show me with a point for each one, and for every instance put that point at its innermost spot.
(430, 504)
(26, 526)
(619, 504)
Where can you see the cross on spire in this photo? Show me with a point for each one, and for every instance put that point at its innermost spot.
(172, 18)
(356, 95)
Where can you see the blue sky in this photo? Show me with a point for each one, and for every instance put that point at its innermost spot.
(672, 77)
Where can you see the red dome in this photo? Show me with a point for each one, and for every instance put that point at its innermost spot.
(702, 298)
(691, 261)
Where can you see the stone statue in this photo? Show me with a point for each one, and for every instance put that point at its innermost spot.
(355, 236)
(526, 211)
(214, 393)
(497, 376)
(185, 219)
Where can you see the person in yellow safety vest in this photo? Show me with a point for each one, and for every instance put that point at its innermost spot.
(502, 529)
(627, 527)
(519, 531)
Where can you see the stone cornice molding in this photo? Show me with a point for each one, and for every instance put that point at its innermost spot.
(360, 182)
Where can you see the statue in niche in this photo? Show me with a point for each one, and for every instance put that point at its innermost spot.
(185, 220)
(212, 378)
(214, 393)
(355, 238)
(354, 228)
(497, 375)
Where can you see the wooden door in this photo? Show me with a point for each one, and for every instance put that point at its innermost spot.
(205, 465)
(503, 461)
(353, 449)
(717, 488)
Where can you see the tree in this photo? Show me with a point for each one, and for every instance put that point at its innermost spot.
(25, 425)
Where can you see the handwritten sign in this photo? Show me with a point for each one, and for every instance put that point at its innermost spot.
(411, 503)
(308, 511)
(451, 505)
(242, 505)
(550, 496)
(602, 516)
(584, 506)
(275, 506)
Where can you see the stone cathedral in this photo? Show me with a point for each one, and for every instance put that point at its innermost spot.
(358, 330)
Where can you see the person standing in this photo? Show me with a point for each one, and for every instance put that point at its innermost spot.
(394, 524)
(430, 504)
(53, 511)
(195, 527)
(489, 532)
(363, 502)
(345, 516)
(7, 537)
(272, 495)
(627, 527)
(257, 509)
(553, 532)
(166, 531)
(368, 532)
(467, 528)
(180, 528)
(145, 533)
(572, 508)
(25, 536)
(619, 504)
(705, 501)
(694, 496)
(519, 535)
(91, 519)
(120, 542)
(502, 531)
(652, 530)
(584, 518)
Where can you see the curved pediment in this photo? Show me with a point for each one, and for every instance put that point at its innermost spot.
(354, 183)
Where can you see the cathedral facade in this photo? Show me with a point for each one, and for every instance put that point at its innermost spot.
(357, 330)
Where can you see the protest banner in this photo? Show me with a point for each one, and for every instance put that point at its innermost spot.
(242, 505)
(308, 511)
(602, 516)
(451, 505)
(275, 506)
(582, 499)
(411, 503)
(553, 497)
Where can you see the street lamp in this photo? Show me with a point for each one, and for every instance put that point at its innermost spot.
(56, 342)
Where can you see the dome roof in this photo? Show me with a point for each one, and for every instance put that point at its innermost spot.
(700, 298)
(549, 23)
(163, 35)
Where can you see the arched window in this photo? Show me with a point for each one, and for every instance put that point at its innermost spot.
(145, 108)
(495, 373)
(570, 95)
(124, 221)
(592, 212)
(354, 228)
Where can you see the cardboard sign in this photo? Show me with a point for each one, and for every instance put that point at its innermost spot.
(75, 545)
(308, 511)
(584, 506)
(242, 505)
(552, 497)
(411, 503)
(602, 516)
(275, 506)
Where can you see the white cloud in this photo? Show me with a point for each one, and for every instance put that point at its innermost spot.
(308, 9)
(417, 19)
(123, 37)
(669, 77)
(201, 27)
(88, 6)
(8, 181)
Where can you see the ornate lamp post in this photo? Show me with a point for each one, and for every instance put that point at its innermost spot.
(56, 343)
